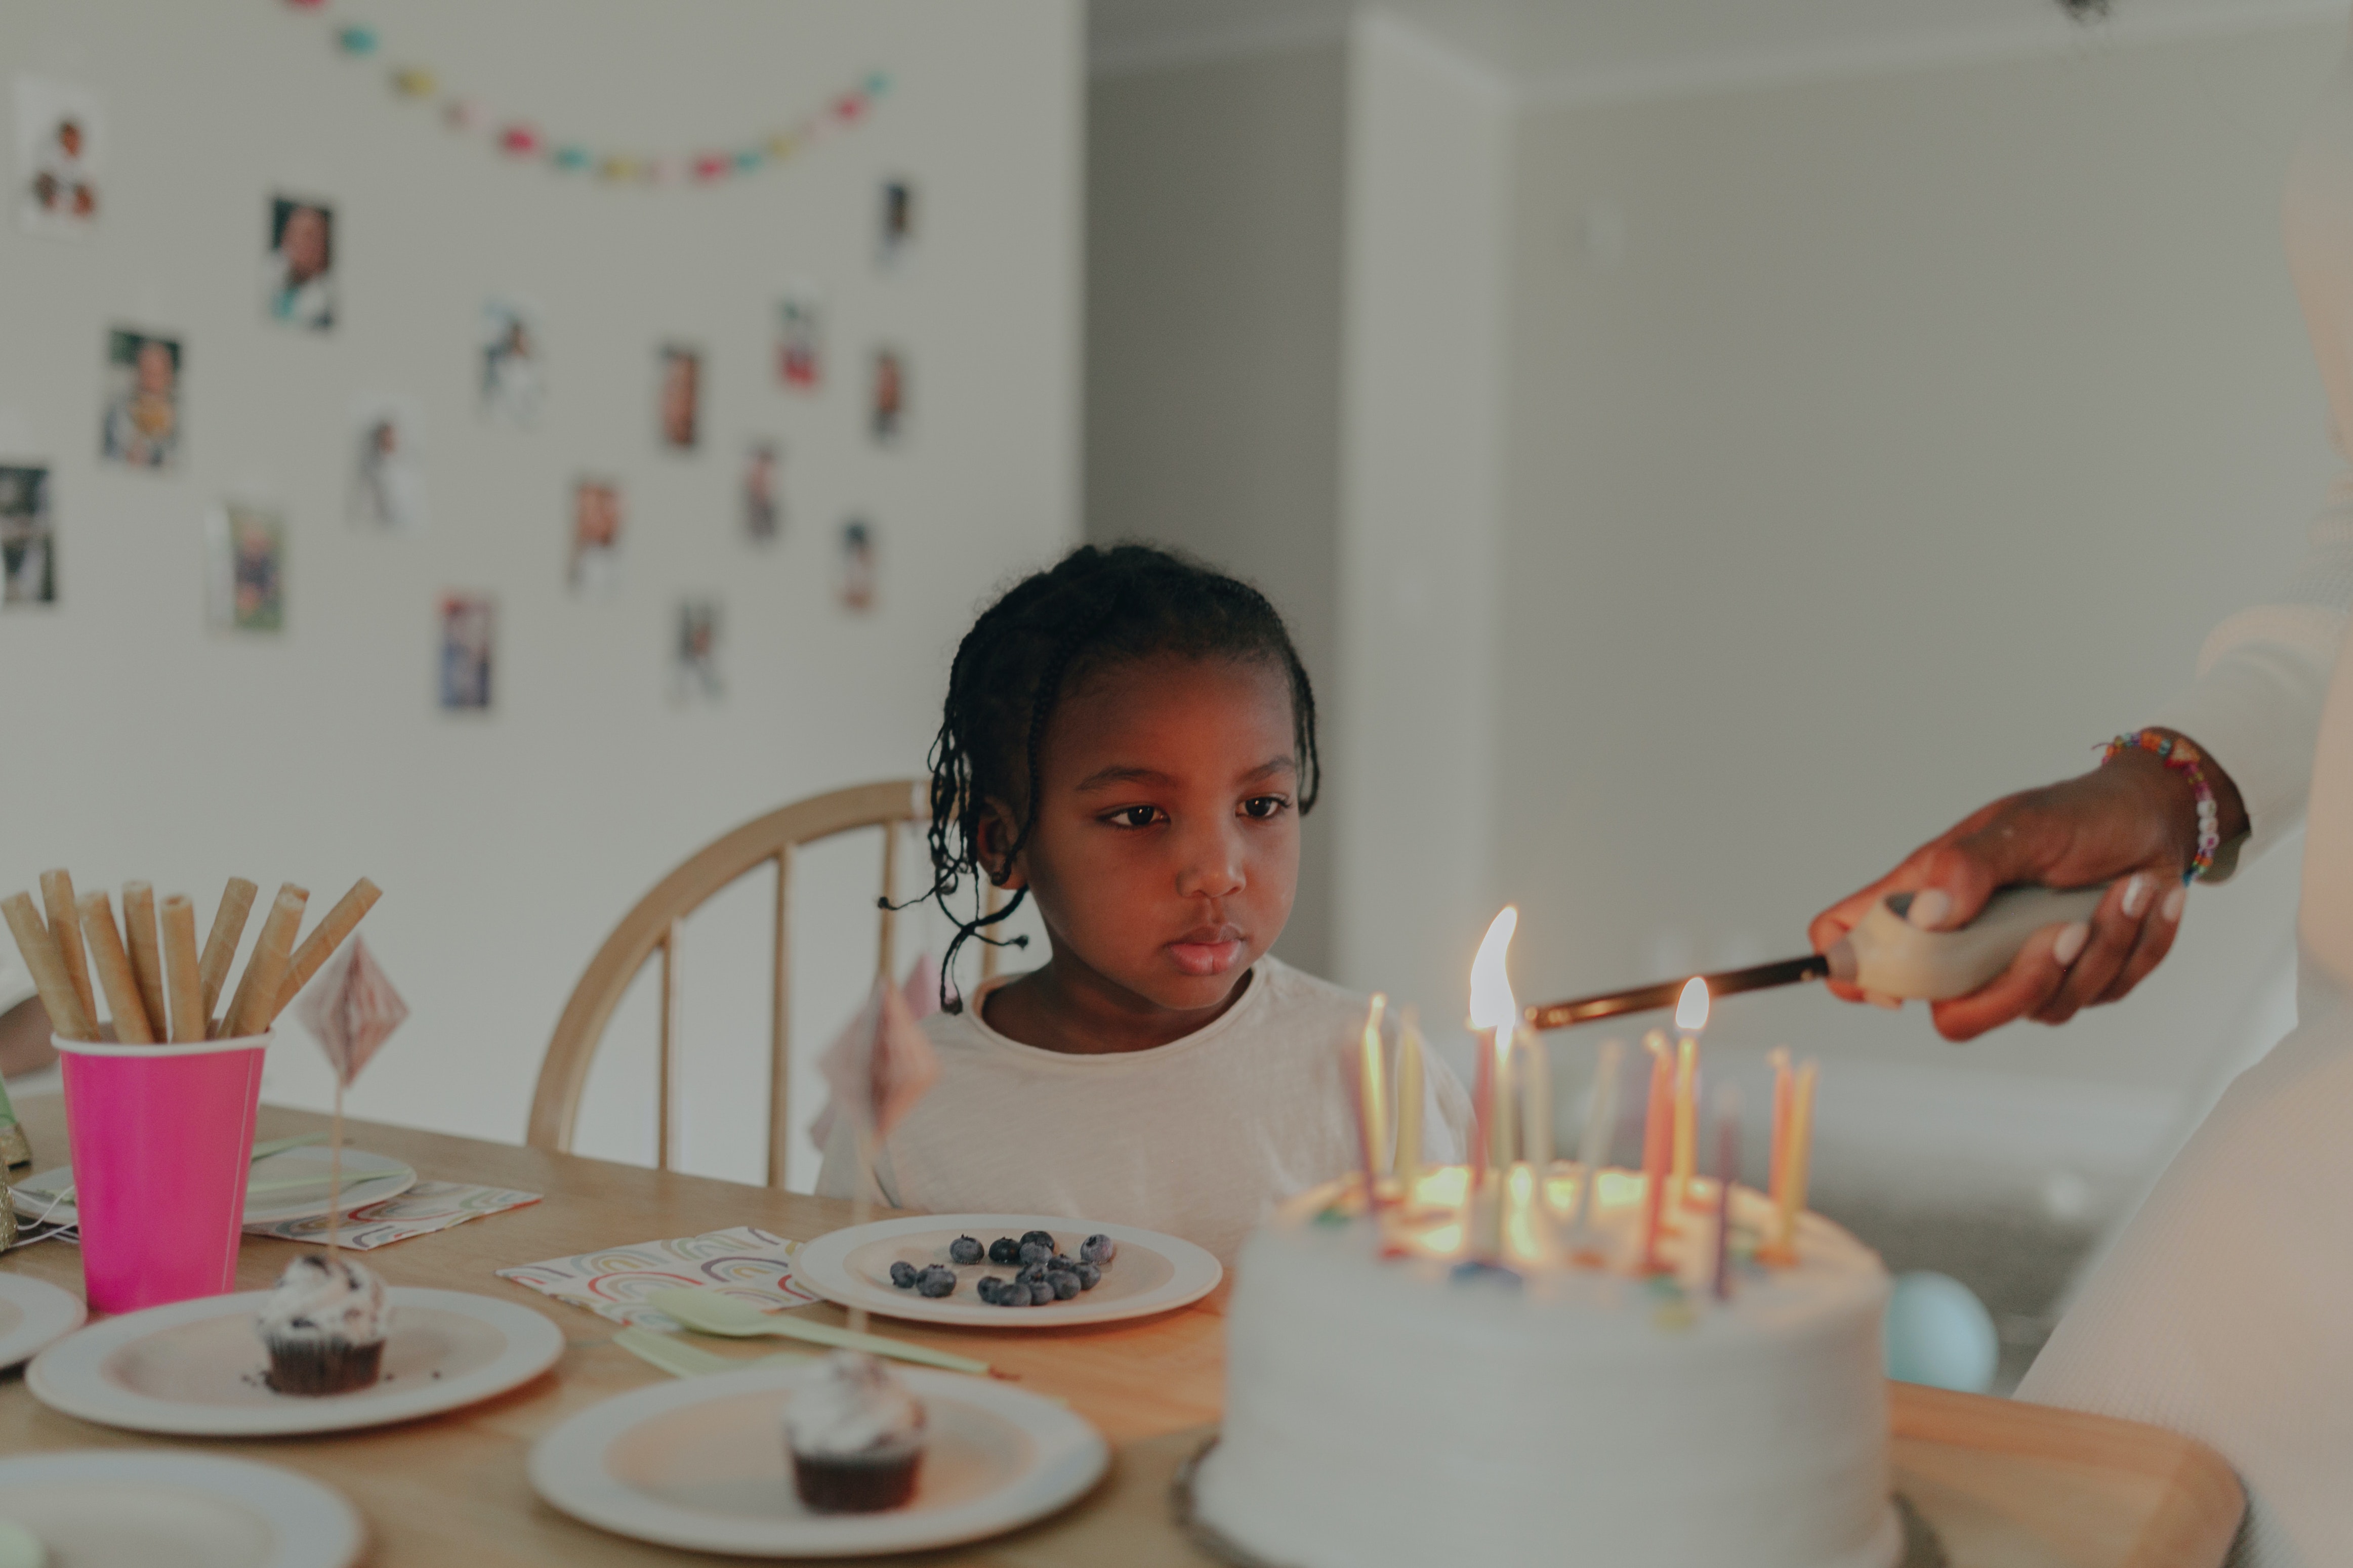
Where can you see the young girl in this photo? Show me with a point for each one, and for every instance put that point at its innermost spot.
(1130, 739)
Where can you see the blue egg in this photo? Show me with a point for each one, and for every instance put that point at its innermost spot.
(1940, 1334)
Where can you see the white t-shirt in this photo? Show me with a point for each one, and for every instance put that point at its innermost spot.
(1195, 1138)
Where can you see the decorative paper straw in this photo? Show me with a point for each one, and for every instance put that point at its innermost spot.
(146, 957)
(329, 935)
(220, 946)
(112, 967)
(182, 979)
(47, 968)
(255, 1001)
(65, 930)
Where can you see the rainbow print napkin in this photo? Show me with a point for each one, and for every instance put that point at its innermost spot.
(421, 1210)
(746, 1263)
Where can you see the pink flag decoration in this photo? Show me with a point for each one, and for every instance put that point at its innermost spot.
(352, 1009)
(881, 1064)
(920, 992)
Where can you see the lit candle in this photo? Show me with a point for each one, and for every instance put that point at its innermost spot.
(1727, 1171)
(1593, 1149)
(1493, 1014)
(1658, 1138)
(1799, 1157)
(1368, 1083)
(1691, 1018)
(1408, 1163)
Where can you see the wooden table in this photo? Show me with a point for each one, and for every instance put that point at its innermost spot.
(2005, 1485)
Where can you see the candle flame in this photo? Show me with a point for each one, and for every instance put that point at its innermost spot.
(1492, 1006)
(1691, 1012)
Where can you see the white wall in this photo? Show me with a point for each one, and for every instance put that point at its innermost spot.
(1423, 415)
(1878, 446)
(1213, 347)
(137, 744)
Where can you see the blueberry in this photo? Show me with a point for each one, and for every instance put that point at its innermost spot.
(1033, 1253)
(1005, 1249)
(1029, 1274)
(987, 1288)
(1098, 1249)
(1065, 1285)
(936, 1281)
(1040, 1293)
(963, 1249)
(1089, 1276)
(1061, 1260)
(902, 1275)
(1044, 1239)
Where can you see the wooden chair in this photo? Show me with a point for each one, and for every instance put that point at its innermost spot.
(657, 922)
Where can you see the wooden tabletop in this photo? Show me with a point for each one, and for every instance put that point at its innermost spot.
(2004, 1485)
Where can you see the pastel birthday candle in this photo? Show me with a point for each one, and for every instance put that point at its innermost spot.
(1658, 1139)
(1777, 1156)
(1800, 1156)
(1728, 1172)
(1368, 1082)
(1408, 1163)
(1691, 1018)
(1600, 1121)
(1535, 1105)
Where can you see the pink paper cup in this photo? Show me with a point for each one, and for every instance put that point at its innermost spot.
(162, 1139)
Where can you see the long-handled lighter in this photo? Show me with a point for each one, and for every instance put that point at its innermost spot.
(1885, 954)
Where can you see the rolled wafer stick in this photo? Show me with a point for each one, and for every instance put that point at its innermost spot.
(112, 967)
(255, 1001)
(181, 977)
(65, 930)
(146, 955)
(220, 945)
(48, 969)
(324, 938)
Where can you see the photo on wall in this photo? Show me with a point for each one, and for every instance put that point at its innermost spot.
(140, 427)
(244, 568)
(592, 567)
(895, 222)
(511, 376)
(28, 542)
(387, 472)
(887, 417)
(680, 396)
(800, 338)
(695, 656)
(856, 589)
(469, 624)
(764, 500)
(297, 269)
(60, 155)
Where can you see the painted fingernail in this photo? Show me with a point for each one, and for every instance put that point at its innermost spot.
(1929, 908)
(1881, 999)
(2135, 895)
(2070, 942)
(2171, 908)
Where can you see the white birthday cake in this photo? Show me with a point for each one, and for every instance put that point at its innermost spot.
(1388, 1404)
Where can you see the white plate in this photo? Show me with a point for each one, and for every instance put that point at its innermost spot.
(701, 1463)
(306, 1201)
(192, 1510)
(1152, 1273)
(34, 1314)
(195, 1368)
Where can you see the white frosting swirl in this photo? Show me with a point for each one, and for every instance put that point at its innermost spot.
(316, 1299)
(851, 1406)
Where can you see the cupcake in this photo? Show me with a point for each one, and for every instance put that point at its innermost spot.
(324, 1326)
(855, 1435)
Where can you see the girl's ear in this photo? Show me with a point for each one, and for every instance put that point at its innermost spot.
(997, 831)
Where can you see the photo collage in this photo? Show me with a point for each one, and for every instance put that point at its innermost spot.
(62, 151)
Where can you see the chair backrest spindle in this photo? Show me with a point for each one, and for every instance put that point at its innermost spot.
(658, 921)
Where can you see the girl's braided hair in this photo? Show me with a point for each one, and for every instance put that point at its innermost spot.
(1093, 609)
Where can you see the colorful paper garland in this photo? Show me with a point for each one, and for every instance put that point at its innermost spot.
(520, 139)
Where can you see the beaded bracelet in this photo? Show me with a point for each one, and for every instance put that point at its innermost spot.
(2184, 758)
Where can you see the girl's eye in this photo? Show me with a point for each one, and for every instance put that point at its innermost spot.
(1264, 808)
(1133, 817)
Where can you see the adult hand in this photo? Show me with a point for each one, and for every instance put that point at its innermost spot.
(2132, 821)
